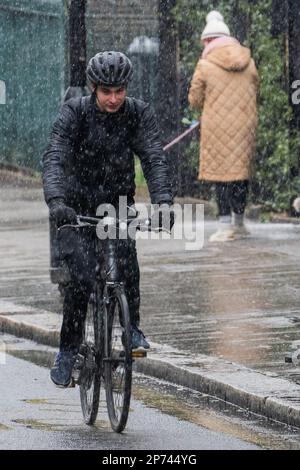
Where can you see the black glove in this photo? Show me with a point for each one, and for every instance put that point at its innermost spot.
(61, 213)
(163, 217)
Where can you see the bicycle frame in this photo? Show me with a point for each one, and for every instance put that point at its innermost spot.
(106, 349)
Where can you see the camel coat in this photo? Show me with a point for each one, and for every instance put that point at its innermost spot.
(225, 86)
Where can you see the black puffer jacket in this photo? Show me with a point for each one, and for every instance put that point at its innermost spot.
(89, 150)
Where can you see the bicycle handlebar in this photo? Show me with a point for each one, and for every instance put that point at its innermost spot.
(142, 225)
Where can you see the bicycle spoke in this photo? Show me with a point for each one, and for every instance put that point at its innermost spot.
(90, 374)
(118, 362)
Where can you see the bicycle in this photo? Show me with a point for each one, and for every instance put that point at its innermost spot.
(106, 352)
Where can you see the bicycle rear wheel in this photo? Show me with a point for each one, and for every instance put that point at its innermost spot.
(118, 360)
(90, 355)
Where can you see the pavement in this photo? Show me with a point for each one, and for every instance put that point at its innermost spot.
(220, 318)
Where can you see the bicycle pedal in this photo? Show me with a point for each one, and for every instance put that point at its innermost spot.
(136, 353)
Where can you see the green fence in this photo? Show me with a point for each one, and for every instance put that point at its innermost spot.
(33, 66)
(34, 63)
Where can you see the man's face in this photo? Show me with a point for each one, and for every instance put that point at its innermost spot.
(207, 41)
(110, 99)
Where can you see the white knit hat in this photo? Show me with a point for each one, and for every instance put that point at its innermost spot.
(296, 205)
(215, 26)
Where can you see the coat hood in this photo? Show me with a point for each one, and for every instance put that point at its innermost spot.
(233, 58)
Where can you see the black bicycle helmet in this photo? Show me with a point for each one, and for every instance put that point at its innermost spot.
(109, 68)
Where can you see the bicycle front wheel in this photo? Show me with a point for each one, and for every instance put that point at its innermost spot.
(90, 355)
(118, 360)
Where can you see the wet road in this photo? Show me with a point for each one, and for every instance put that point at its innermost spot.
(238, 301)
(37, 415)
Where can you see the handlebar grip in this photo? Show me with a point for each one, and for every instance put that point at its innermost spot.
(144, 225)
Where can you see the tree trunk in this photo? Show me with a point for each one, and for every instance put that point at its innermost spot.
(77, 43)
(294, 65)
(240, 22)
(168, 92)
(279, 17)
(294, 54)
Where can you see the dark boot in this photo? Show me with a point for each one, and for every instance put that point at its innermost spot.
(138, 339)
(61, 372)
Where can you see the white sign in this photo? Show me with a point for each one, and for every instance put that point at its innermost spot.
(2, 92)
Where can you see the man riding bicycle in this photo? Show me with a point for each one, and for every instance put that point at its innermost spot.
(90, 161)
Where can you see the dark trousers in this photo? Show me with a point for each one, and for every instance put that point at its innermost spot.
(232, 196)
(78, 250)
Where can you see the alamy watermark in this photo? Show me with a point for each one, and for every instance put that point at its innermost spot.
(296, 94)
(188, 226)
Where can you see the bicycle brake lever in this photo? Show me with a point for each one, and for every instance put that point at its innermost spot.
(80, 224)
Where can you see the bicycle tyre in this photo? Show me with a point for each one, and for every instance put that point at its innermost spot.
(117, 360)
(90, 382)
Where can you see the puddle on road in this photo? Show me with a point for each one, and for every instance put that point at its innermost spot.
(37, 401)
(180, 402)
(54, 406)
(38, 425)
(4, 428)
(60, 422)
(40, 358)
(214, 414)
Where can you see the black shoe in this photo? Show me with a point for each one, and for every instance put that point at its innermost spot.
(61, 372)
(138, 339)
